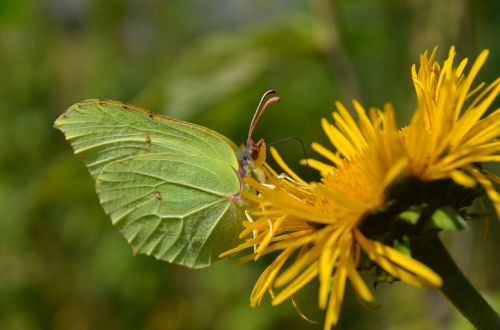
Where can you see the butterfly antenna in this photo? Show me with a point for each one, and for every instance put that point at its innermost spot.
(264, 103)
(292, 138)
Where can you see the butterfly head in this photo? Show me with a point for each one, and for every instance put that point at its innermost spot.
(253, 155)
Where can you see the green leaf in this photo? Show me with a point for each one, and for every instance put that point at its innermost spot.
(166, 184)
(403, 245)
(446, 218)
(412, 214)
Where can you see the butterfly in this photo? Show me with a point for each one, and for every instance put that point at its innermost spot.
(171, 188)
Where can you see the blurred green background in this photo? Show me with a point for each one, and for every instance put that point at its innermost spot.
(63, 266)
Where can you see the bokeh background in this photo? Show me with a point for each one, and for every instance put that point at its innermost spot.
(63, 266)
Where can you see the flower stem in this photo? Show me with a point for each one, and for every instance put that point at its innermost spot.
(431, 251)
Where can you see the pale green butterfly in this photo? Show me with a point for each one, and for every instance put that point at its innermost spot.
(172, 188)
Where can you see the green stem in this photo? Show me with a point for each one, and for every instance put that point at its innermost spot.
(431, 251)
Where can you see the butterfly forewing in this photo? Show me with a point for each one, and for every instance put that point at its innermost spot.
(103, 131)
(165, 183)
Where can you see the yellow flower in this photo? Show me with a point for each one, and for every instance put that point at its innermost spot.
(316, 226)
(449, 132)
(317, 230)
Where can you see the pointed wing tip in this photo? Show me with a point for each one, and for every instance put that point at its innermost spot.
(60, 120)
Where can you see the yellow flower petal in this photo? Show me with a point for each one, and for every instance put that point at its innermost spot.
(284, 166)
(463, 179)
(299, 282)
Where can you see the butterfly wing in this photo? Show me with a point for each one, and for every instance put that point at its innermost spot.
(104, 131)
(165, 183)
